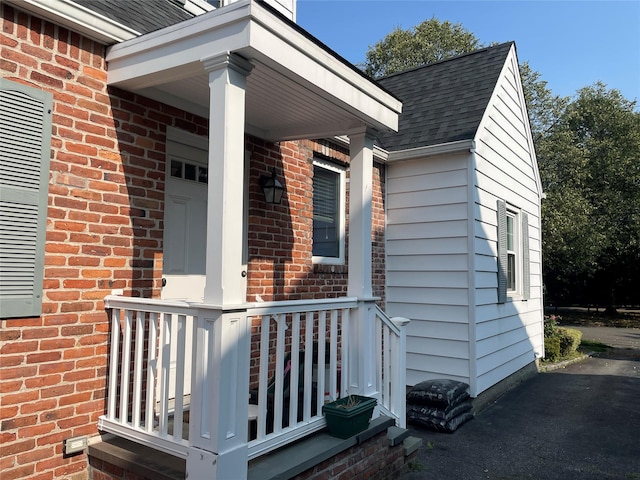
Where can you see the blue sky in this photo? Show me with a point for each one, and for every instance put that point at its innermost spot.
(572, 44)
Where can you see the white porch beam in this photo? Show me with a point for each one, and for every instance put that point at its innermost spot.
(224, 268)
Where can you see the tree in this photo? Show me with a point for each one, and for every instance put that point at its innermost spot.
(428, 42)
(590, 167)
(543, 107)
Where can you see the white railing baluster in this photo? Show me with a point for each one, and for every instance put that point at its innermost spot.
(295, 368)
(344, 357)
(278, 403)
(178, 412)
(308, 364)
(333, 356)
(263, 375)
(151, 371)
(113, 367)
(165, 373)
(126, 367)
(137, 369)
(322, 339)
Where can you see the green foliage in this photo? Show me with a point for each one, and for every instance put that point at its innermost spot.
(428, 42)
(590, 170)
(543, 107)
(559, 342)
(569, 341)
(552, 348)
(551, 325)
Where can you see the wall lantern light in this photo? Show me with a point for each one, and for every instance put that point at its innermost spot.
(272, 188)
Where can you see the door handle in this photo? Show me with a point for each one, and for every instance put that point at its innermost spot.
(164, 282)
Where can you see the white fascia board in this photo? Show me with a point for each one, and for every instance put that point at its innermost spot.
(79, 19)
(441, 148)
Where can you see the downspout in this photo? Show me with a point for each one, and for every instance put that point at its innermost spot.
(471, 273)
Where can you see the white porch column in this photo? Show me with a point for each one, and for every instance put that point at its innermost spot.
(227, 83)
(219, 415)
(362, 359)
(360, 197)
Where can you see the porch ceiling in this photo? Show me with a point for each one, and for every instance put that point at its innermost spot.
(297, 88)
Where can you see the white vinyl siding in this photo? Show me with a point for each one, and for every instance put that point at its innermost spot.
(427, 263)
(25, 140)
(508, 323)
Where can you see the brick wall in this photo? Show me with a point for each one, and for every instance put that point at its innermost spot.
(374, 459)
(104, 232)
(280, 236)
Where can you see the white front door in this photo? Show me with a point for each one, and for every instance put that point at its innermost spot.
(185, 223)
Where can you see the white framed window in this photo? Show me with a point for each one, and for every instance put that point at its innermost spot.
(513, 257)
(329, 185)
(513, 253)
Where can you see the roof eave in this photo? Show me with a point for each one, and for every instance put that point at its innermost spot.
(78, 18)
(248, 29)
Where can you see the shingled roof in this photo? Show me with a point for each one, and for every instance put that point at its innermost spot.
(143, 16)
(444, 102)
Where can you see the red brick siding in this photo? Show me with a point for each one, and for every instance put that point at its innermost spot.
(104, 231)
(280, 236)
(371, 460)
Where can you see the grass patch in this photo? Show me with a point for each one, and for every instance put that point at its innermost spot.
(626, 319)
(591, 346)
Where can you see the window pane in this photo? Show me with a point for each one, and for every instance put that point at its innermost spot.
(189, 171)
(203, 175)
(510, 220)
(511, 271)
(176, 169)
(326, 219)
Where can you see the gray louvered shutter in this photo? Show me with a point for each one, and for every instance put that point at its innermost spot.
(502, 251)
(25, 146)
(526, 267)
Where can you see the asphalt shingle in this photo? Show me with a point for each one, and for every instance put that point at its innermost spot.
(144, 16)
(444, 102)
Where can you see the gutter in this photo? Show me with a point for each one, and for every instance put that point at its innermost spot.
(79, 19)
(439, 149)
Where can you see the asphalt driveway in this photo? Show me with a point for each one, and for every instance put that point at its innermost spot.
(581, 421)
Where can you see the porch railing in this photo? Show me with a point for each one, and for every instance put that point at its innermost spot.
(299, 356)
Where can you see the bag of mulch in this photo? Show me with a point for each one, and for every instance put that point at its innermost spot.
(415, 413)
(441, 393)
(442, 425)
